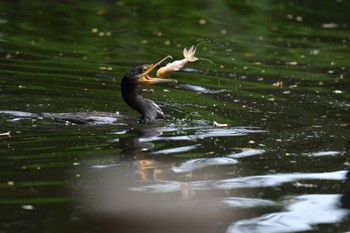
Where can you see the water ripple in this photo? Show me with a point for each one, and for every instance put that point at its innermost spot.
(195, 164)
(239, 202)
(277, 179)
(202, 133)
(235, 183)
(301, 213)
(176, 150)
(246, 153)
(322, 153)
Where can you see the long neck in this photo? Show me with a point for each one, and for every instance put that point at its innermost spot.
(132, 95)
(149, 110)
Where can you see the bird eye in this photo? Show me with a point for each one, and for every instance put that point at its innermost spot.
(146, 68)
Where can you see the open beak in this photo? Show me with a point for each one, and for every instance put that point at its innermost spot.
(147, 80)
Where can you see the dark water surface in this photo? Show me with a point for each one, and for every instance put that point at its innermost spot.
(278, 76)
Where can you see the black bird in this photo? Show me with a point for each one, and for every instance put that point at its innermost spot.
(131, 88)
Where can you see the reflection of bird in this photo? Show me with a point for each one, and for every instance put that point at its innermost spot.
(131, 88)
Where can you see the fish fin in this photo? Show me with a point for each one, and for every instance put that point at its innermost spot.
(190, 54)
(185, 52)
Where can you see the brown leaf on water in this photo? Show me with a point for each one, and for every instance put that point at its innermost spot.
(329, 25)
(219, 125)
(10, 183)
(304, 185)
(278, 84)
(292, 63)
(248, 54)
(202, 22)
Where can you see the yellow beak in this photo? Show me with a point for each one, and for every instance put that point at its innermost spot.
(147, 80)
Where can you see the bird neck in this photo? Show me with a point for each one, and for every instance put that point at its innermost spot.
(149, 110)
(132, 96)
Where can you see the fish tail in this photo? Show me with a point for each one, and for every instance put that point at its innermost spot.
(190, 54)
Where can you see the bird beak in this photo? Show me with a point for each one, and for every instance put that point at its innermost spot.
(147, 80)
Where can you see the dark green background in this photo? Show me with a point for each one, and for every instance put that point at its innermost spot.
(51, 54)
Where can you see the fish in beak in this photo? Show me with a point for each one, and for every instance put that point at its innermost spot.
(145, 79)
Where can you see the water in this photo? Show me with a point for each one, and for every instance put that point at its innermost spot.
(279, 80)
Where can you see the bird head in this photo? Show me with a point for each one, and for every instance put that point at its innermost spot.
(142, 74)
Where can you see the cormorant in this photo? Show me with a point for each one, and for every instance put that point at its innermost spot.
(131, 88)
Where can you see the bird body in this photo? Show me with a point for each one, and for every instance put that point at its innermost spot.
(131, 88)
(131, 85)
